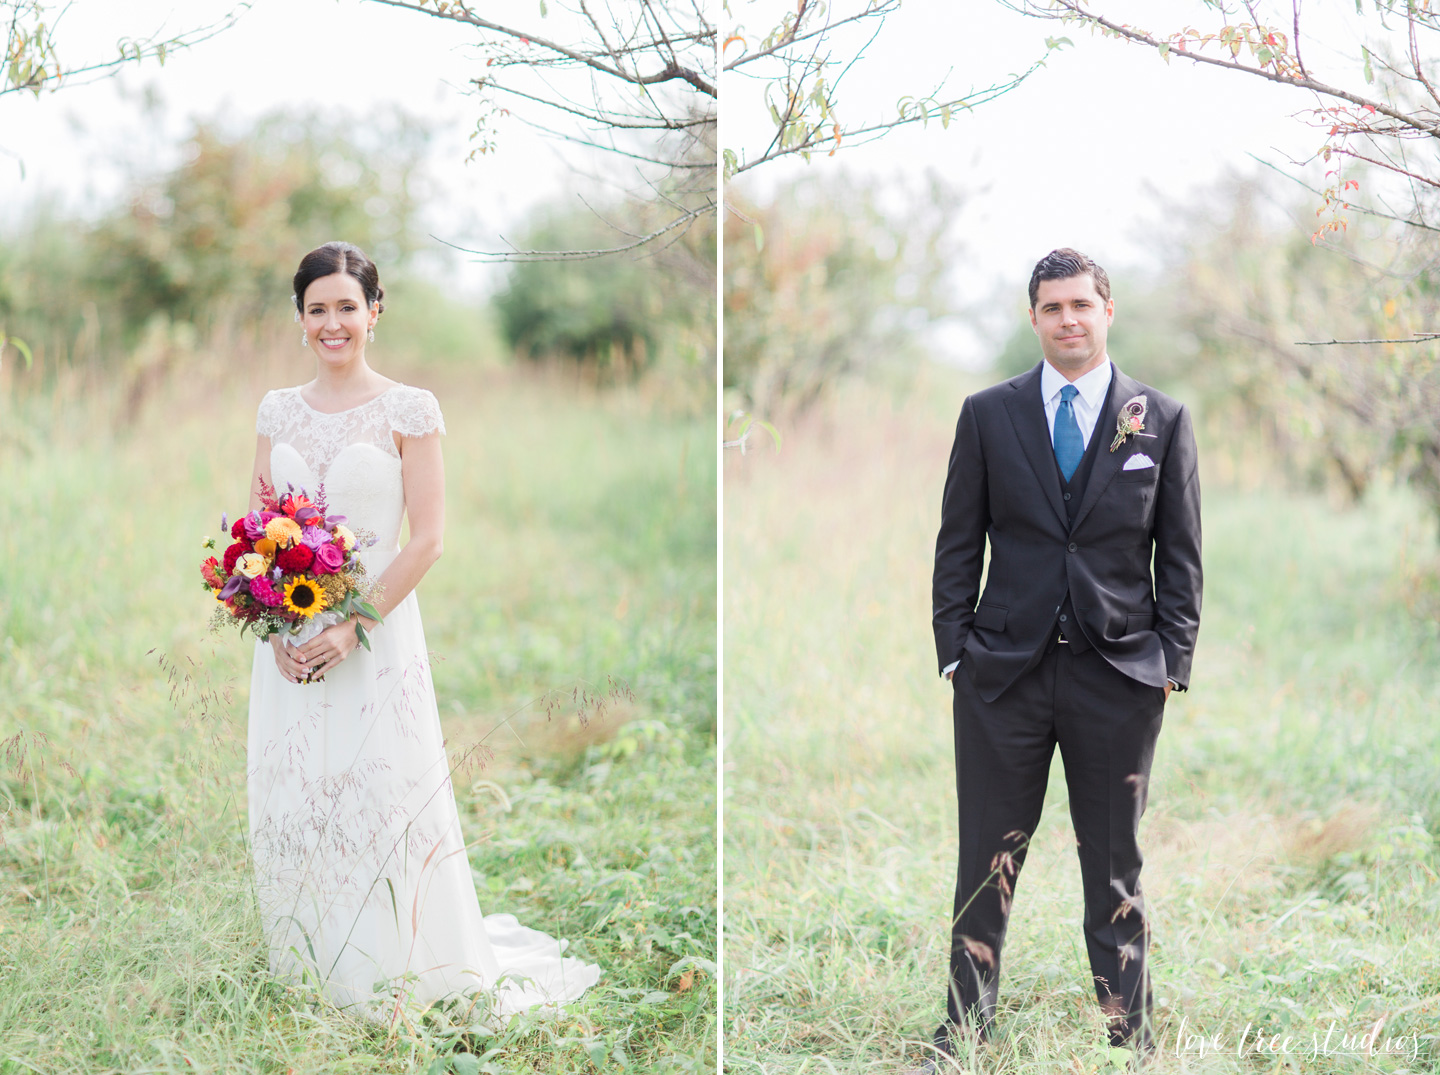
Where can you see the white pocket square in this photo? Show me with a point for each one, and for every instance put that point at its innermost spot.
(1138, 461)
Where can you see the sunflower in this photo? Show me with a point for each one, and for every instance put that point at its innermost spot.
(304, 597)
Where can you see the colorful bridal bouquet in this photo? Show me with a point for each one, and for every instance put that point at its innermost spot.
(292, 568)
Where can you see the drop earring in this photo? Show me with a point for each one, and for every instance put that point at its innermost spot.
(305, 339)
(372, 335)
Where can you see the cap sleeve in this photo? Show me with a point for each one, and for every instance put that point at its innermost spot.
(267, 419)
(414, 412)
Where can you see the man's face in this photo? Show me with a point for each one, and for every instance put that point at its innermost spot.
(1072, 321)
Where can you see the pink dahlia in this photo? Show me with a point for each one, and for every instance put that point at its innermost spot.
(263, 590)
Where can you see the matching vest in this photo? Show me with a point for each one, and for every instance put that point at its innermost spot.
(1073, 494)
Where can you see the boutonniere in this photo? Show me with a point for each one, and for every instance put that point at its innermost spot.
(1131, 421)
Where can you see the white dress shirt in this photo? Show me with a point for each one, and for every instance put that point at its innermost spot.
(1092, 387)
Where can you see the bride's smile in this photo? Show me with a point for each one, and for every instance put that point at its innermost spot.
(336, 317)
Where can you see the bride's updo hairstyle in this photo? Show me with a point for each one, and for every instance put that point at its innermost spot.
(338, 257)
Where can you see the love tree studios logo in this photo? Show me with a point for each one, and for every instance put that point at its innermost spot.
(1255, 1042)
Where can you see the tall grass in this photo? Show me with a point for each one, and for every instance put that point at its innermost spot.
(578, 581)
(1292, 867)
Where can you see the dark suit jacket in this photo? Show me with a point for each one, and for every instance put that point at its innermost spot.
(1003, 486)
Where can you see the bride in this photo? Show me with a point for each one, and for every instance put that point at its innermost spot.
(364, 886)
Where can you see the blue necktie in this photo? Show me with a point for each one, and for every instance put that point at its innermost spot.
(1069, 446)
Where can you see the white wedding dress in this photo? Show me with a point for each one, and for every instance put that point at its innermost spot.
(364, 887)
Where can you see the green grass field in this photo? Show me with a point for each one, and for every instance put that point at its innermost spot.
(580, 561)
(1291, 838)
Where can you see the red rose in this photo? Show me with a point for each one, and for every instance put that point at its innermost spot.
(234, 552)
(295, 559)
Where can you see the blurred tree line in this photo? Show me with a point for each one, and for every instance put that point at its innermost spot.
(824, 283)
(836, 275)
(618, 315)
(1263, 302)
(211, 243)
(199, 258)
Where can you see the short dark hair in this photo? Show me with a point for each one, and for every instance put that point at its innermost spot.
(336, 257)
(1061, 265)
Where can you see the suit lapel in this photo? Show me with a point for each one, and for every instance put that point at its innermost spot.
(1027, 413)
(1107, 463)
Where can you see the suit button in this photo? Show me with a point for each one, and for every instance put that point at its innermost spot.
(1067, 496)
(1072, 546)
(1063, 618)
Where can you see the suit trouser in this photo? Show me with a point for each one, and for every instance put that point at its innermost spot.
(1105, 724)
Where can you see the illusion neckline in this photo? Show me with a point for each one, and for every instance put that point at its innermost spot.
(332, 414)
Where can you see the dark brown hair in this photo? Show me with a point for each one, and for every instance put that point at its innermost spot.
(339, 257)
(1061, 265)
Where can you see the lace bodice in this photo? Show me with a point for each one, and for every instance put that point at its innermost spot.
(351, 452)
(319, 437)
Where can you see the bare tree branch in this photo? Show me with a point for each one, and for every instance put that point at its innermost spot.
(1418, 337)
(1367, 210)
(794, 59)
(1359, 127)
(496, 257)
(632, 79)
(459, 12)
(1075, 9)
(878, 10)
(32, 61)
(922, 113)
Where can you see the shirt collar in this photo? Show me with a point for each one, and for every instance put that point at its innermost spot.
(1092, 386)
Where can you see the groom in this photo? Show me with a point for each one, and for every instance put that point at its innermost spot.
(1077, 476)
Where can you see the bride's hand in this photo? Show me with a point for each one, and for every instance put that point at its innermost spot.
(287, 659)
(327, 649)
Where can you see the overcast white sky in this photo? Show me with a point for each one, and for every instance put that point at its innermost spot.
(1082, 154)
(1072, 157)
(338, 57)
